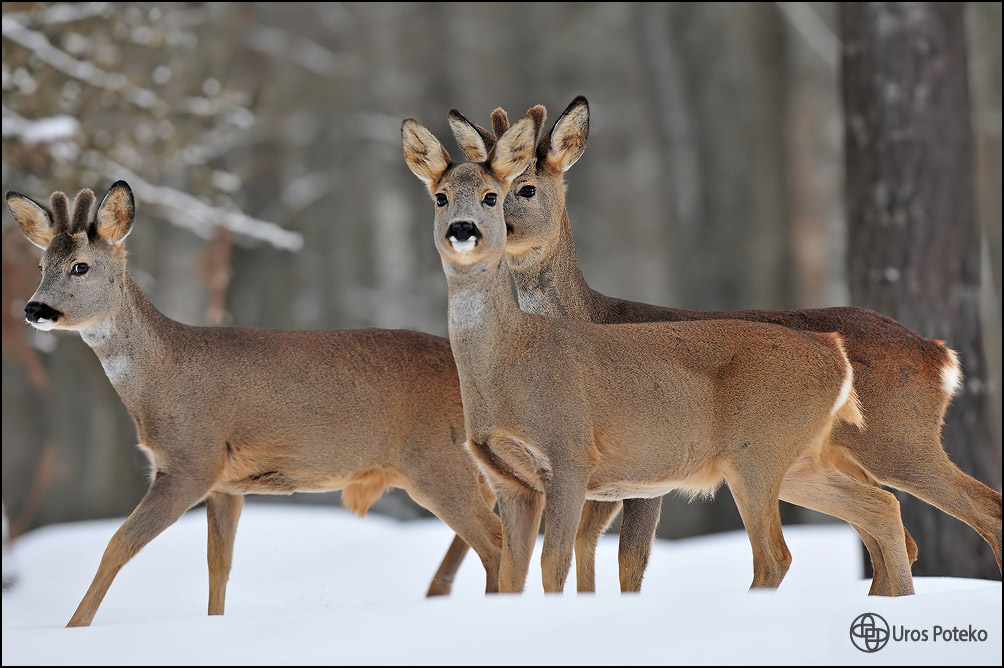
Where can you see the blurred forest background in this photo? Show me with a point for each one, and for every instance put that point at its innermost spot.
(262, 141)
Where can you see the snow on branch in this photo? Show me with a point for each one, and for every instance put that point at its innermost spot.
(192, 213)
(41, 130)
(81, 70)
(62, 13)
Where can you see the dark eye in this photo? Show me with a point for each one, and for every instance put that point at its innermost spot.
(490, 199)
(527, 192)
(40, 269)
(441, 199)
(79, 269)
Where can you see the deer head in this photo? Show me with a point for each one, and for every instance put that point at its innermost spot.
(470, 231)
(84, 260)
(535, 204)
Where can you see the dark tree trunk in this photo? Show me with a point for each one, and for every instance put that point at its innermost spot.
(914, 243)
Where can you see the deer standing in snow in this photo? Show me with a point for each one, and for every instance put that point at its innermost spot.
(904, 381)
(224, 411)
(558, 411)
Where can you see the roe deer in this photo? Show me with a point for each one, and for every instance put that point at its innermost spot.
(224, 411)
(559, 410)
(904, 381)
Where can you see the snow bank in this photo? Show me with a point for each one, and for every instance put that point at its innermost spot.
(316, 585)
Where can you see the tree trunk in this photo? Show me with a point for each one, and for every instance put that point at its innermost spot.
(913, 240)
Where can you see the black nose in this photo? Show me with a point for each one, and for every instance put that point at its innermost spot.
(463, 230)
(37, 311)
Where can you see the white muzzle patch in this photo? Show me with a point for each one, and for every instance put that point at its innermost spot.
(43, 324)
(463, 246)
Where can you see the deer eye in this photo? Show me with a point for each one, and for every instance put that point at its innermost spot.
(40, 269)
(490, 199)
(527, 192)
(441, 199)
(79, 269)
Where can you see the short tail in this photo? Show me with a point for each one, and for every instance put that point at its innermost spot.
(847, 407)
(951, 371)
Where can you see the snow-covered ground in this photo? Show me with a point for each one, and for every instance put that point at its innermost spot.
(317, 586)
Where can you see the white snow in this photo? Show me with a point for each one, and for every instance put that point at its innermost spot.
(316, 585)
(40, 130)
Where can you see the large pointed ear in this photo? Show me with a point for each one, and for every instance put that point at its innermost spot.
(514, 150)
(426, 157)
(566, 140)
(116, 213)
(474, 140)
(34, 219)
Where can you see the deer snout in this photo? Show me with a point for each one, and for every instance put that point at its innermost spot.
(37, 313)
(463, 235)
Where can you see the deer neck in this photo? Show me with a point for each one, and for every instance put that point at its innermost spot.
(482, 312)
(550, 282)
(129, 342)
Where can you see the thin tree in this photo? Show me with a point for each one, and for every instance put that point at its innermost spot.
(913, 238)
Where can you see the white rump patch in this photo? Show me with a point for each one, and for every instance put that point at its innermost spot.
(43, 324)
(951, 374)
(845, 388)
(841, 399)
(463, 246)
(151, 457)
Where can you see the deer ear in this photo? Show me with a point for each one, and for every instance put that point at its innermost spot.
(566, 141)
(115, 213)
(474, 140)
(34, 219)
(515, 150)
(426, 157)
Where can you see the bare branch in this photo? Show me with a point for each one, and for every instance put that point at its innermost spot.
(40, 130)
(192, 213)
(61, 13)
(81, 70)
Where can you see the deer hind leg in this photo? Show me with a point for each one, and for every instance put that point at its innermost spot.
(596, 517)
(873, 512)
(167, 499)
(442, 581)
(757, 500)
(467, 509)
(945, 486)
(881, 583)
(222, 512)
(638, 525)
(841, 458)
(924, 470)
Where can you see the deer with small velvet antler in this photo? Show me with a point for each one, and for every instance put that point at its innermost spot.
(225, 411)
(558, 411)
(905, 382)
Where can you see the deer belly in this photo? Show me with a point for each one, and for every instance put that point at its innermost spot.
(253, 469)
(702, 480)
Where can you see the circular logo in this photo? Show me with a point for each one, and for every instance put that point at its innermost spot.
(869, 632)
